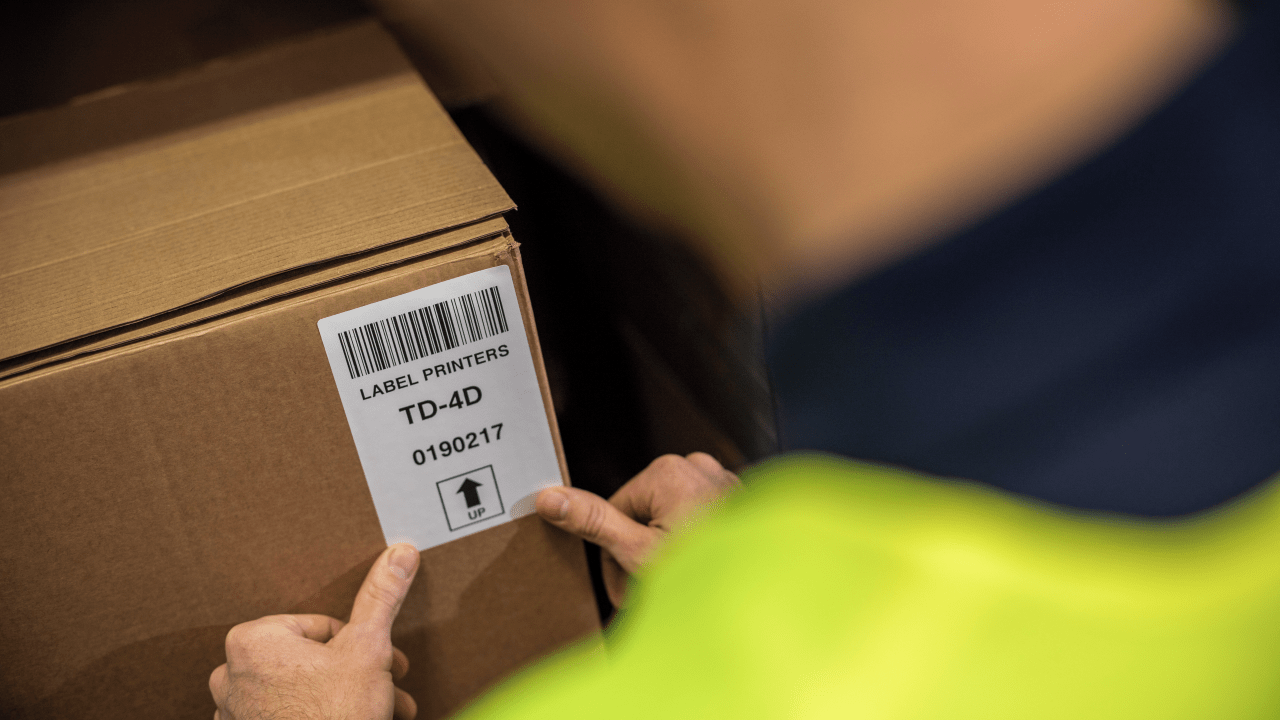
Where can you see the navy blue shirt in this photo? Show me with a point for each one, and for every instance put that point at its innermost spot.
(1111, 341)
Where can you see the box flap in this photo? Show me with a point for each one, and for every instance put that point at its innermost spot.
(253, 295)
(132, 203)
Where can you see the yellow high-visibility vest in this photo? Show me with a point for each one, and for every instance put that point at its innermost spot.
(830, 588)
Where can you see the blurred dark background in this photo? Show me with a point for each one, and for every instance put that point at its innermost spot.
(645, 353)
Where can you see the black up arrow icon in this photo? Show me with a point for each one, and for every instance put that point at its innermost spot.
(468, 490)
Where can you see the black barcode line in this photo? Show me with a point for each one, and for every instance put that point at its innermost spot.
(421, 333)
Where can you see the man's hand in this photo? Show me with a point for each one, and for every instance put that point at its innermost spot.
(313, 666)
(631, 524)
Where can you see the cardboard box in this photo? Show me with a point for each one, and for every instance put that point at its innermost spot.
(176, 454)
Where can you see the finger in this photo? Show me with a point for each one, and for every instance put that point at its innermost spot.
(722, 481)
(384, 588)
(405, 708)
(668, 482)
(248, 638)
(666, 492)
(399, 664)
(615, 579)
(593, 519)
(320, 628)
(218, 685)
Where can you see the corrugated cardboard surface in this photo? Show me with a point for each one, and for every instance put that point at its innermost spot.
(305, 172)
(252, 294)
(177, 460)
(159, 493)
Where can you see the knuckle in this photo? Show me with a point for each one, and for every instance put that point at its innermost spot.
(668, 464)
(381, 590)
(292, 623)
(371, 648)
(593, 523)
(701, 459)
(241, 636)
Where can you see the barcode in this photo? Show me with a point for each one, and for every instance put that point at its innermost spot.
(426, 331)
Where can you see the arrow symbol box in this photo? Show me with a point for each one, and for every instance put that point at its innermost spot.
(470, 497)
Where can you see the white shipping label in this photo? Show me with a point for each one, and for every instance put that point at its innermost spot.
(442, 398)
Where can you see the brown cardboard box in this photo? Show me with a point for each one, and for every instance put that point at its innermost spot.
(175, 456)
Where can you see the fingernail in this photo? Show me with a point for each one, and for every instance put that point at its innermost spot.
(553, 504)
(403, 560)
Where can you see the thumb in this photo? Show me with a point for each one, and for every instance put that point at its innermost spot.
(596, 520)
(384, 588)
